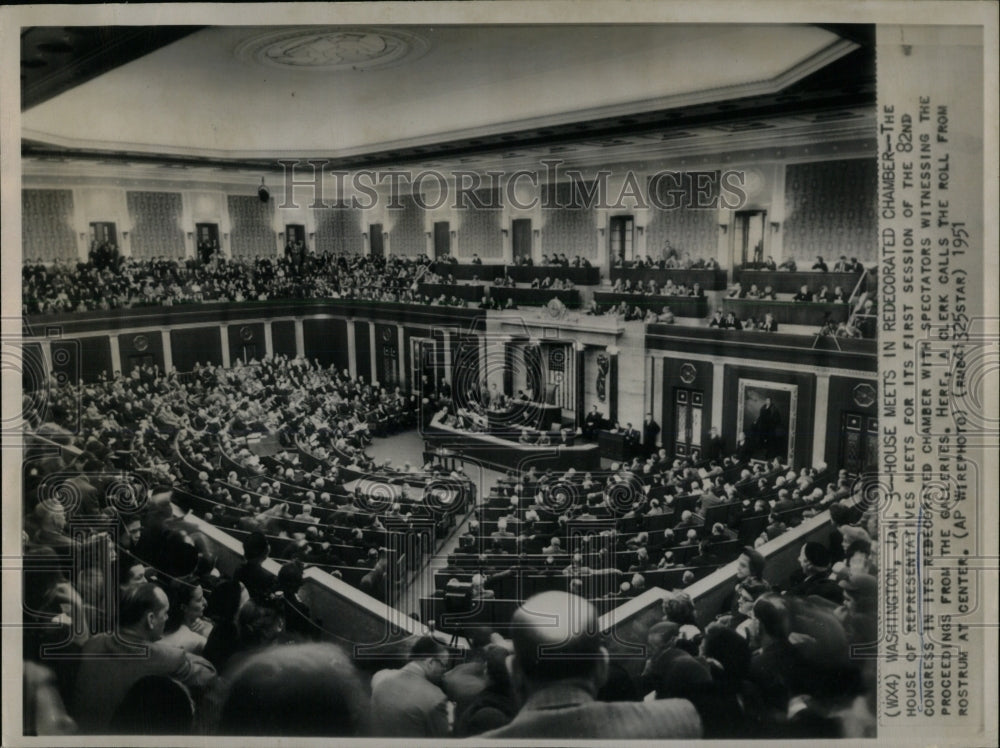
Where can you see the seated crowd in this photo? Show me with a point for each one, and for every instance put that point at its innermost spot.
(112, 571)
(128, 282)
(775, 661)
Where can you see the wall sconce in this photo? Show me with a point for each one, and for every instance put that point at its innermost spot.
(775, 226)
(190, 235)
(312, 236)
(601, 229)
(385, 234)
(225, 236)
(428, 233)
(364, 235)
(504, 232)
(724, 227)
(281, 235)
(124, 235)
(537, 233)
(639, 229)
(454, 234)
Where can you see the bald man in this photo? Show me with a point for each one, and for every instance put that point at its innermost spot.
(558, 667)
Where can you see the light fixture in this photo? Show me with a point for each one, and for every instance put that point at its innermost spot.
(263, 192)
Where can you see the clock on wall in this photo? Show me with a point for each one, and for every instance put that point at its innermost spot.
(140, 343)
(864, 395)
(688, 372)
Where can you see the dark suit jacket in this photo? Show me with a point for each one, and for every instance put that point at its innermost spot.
(112, 666)
(650, 431)
(567, 711)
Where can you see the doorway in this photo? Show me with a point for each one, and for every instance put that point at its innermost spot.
(749, 235)
(208, 247)
(376, 244)
(621, 238)
(521, 238)
(442, 240)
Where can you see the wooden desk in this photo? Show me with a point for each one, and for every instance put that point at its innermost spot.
(785, 282)
(468, 271)
(503, 454)
(536, 296)
(522, 413)
(474, 293)
(681, 306)
(615, 447)
(787, 312)
(579, 276)
(710, 280)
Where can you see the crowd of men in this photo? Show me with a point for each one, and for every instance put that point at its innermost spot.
(776, 660)
(110, 572)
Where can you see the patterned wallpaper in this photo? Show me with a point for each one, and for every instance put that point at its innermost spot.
(830, 210)
(688, 228)
(156, 224)
(480, 232)
(571, 230)
(252, 226)
(338, 230)
(47, 225)
(407, 236)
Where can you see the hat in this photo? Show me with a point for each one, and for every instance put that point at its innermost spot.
(860, 585)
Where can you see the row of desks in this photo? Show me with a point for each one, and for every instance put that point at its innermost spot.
(681, 306)
(709, 280)
(472, 293)
(503, 454)
(580, 276)
(521, 296)
(785, 282)
(788, 312)
(536, 296)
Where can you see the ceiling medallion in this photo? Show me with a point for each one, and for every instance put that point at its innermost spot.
(332, 48)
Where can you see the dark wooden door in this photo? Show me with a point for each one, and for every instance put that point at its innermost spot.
(376, 245)
(442, 239)
(521, 233)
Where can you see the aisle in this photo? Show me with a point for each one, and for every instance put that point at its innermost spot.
(408, 447)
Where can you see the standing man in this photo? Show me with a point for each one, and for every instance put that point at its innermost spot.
(713, 448)
(409, 703)
(592, 423)
(768, 427)
(650, 432)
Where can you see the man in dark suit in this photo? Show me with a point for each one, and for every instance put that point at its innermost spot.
(742, 451)
(559, 666)
(814, 559)
(650, 432)
(632, 437)
(768, 426)
(592, 423)
(713, 447)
